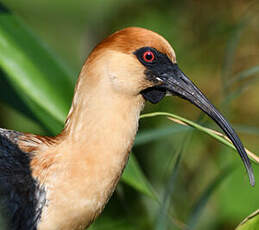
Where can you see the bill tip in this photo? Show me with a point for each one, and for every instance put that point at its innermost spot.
(252, 179)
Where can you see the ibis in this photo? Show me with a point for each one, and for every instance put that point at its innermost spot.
(64, 182)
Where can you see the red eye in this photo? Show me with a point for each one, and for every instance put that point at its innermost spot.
(148, 56)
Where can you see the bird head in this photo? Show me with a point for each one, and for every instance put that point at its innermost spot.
(139, 62)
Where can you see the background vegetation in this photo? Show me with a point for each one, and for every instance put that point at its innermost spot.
(198, 183)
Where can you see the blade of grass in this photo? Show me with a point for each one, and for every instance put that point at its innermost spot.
(253, 157)
(231, 49)
(247, 129)
(250, 223)
(109, 223)
(9, 96)
(32, 69)
(232, 43)
(237, 92)
(24, 105)
(151, 135)
(216, 135)
(134, 177)
(162, 220)
(163, 215)
(243, 75)
(204, 198)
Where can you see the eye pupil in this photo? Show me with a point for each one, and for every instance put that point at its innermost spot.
(148, 56)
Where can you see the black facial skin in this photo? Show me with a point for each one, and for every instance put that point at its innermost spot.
(168, 77)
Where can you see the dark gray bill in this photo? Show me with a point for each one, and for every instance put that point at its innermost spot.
(178, 84)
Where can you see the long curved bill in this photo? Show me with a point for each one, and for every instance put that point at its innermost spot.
(178, 84)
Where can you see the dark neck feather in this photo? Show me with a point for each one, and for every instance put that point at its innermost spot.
(21, 197)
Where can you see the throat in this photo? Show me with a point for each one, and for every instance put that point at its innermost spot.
(104, 124)
(92, 152)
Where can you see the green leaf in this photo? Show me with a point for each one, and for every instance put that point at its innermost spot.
(151, 135)
(33, 71)
(231, 48)
(250, 223)
(237, 92)
(108, 223)
(243, 75)
(9, 96)
(247, 129)
(231, 95)
(162, 220)
(208, 131)
(204, 198)
(134, 176)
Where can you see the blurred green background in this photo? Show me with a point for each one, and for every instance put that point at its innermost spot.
(215, 42)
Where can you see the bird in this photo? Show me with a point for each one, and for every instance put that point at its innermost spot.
(65, 181)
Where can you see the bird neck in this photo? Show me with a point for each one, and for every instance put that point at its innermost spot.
(100, 114)
(91, 152)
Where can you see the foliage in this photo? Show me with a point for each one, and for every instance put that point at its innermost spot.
(251, 222)
(180, 195)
